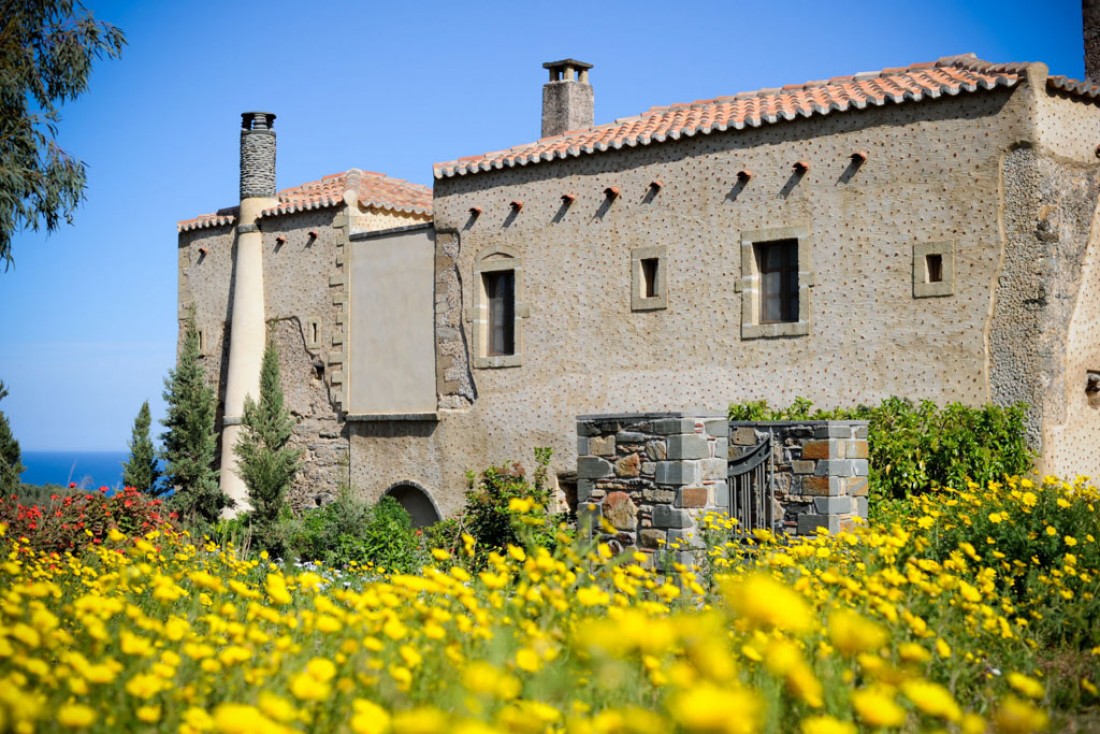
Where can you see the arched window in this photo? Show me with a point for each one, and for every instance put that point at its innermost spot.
(417, 502)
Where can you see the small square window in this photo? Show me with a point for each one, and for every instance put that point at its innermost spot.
(933, 269)
(648, 275)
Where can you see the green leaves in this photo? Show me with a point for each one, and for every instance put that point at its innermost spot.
(46, 52)
(266, 463)
(141, 471)
(190, 440)
(916, 447)
(11, 465)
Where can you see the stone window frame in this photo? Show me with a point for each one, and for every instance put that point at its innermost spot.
(749, 284)
(494, 260)
(313, 324)
(659, 300)
(944, 287)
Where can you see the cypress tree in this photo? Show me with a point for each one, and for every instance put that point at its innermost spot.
(11, 465)
(266, 463)
(141, 471)
(190, 440)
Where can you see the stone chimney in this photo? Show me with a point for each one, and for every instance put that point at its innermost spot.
(568, 102)
(1090, 12)
(257, 155)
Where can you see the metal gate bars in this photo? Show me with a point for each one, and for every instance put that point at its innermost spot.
(750, 487)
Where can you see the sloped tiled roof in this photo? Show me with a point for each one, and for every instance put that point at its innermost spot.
(372, 190)
(952, 75)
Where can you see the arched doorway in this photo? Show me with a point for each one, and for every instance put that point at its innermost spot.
(417, 502)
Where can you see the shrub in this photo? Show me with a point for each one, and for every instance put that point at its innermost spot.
(918, 447)
(350, 530)
(71, 522)
(1041, 539)
(503, 508)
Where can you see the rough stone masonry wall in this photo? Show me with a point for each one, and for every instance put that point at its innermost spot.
(653, 476)
(819, 471)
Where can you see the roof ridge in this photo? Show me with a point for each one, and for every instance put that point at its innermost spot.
(971, 62)
(1078, 87)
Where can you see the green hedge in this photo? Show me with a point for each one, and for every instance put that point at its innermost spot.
(915, 447)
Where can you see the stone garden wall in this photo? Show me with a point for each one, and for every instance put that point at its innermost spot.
(652, 476)
(819, 470)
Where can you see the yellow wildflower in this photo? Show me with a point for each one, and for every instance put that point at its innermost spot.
(876, 708)
(1019, 717)
(369, 718)
(765, 602)
(75, 716)
(932, 699)
(1025, 685)
(826, 725)
(851, 633)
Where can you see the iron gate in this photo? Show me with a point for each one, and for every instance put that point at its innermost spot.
(750, 487)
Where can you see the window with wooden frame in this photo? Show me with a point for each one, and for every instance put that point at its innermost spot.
(776, 278)
(777, 264)
(498, 310)
(500, 299)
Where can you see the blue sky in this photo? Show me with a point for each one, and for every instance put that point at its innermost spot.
(89, 327)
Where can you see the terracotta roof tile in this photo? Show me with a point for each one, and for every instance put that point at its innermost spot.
(952, 75)
(372, 190)
(1072, 86)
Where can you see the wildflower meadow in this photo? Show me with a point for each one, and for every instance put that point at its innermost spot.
(967, 610)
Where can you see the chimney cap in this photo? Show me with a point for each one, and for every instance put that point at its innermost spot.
(567, 62)
(257, 120)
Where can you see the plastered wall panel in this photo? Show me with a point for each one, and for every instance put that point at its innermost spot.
(391, 346)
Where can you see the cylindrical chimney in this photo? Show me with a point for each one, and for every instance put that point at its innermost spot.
(257, 155)
(247, 329)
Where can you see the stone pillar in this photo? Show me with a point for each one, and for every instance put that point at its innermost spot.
(247, 331)
(1090, 11)
(568, 101)
(651, 476)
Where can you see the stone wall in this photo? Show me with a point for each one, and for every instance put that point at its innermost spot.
(585, 350)
(652, 476)
(819, 471)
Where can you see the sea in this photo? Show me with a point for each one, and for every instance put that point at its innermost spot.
(85, 469)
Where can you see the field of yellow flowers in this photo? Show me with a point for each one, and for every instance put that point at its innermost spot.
(942, 619)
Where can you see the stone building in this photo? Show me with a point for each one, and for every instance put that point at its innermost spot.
(925, 231)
